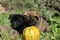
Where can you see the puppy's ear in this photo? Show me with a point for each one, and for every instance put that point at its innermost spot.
(24, 16)
(10, 16)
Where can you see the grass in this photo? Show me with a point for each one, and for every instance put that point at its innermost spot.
(54, 33)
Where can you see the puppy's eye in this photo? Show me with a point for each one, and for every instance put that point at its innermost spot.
(36, 17)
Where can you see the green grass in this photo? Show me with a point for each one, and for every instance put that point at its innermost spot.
(54, 33)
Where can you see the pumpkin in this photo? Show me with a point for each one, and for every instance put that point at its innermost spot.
(31, 33)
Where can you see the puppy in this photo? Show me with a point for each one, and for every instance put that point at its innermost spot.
(18, 22)
(38, 20)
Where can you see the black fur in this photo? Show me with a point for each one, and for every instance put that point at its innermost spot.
(18, 22)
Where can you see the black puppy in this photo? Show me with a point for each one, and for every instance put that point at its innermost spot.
(18, 22)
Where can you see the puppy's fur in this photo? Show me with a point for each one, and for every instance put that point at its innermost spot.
(39, 21)
(18, 22)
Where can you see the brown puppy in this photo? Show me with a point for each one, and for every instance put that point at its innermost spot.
(12, 32)
(39, 21)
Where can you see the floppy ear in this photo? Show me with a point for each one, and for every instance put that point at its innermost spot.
(10, 16)
(24, 16)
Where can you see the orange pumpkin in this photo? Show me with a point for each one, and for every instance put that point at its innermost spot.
(31, 33)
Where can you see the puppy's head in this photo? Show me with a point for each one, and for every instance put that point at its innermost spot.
(17, 20)
(34, 14)
(33, 17)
